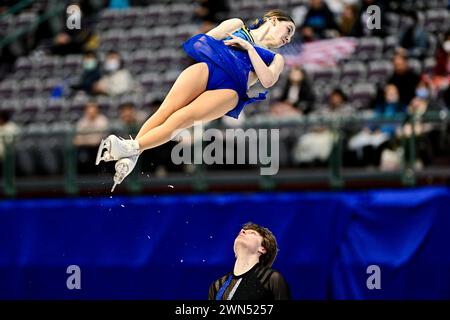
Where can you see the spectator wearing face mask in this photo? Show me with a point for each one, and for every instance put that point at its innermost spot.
(91, 73)
(116, 79)
(424, 90)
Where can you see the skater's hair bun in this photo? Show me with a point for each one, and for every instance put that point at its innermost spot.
(279, 14)
(269, 243)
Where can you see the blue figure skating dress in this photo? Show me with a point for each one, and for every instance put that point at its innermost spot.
(229, 67)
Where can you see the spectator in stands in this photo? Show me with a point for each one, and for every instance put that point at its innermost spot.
(211, 13)
(90, 130)
(442, 67)
(77, 40)
(8, 129)
(415, 38)
(446, 97)
(119, 4)
(348, 20)
(314, 147)
(318, 20)
(92, 120)
(372, 140)
(424, 143)
(130, 120)
(337, 104)
(391, 107)
(391, 104)
(73, 41)
(404, 79)
(116, 80)
(426, 90)
(297, 95)
(441, 72)
(90, 75)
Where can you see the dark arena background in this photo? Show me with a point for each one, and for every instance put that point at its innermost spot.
(358, 201)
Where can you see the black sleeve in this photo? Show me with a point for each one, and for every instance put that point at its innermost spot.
(212, 291)
(279, 287)
(284, 94)
(306, 97)
(331, 22)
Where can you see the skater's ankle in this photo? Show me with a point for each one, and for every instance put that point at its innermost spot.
(138, 146)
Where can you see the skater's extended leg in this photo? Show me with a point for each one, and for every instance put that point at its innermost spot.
(188, 86)
(210, 105)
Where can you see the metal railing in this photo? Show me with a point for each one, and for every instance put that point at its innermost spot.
(15, 8)
(55, 10)
(199, 180)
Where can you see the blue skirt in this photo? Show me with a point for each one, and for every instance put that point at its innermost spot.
(224, 61)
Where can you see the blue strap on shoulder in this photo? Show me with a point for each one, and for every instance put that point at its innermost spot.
(223, 288)
(241, 34)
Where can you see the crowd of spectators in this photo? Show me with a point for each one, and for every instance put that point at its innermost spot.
(406, 93)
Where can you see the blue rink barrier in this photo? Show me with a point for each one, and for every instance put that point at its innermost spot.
(173, 247)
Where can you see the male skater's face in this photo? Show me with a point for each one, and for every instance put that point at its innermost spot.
(249, 239)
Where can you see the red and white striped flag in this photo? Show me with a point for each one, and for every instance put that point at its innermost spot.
(320, 53)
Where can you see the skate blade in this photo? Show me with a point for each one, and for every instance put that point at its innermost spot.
(119, 176)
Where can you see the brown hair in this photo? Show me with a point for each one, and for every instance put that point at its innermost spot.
(269, 243)
(279, 14)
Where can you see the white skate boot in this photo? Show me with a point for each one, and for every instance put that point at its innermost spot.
(124, 167)
(114, 148)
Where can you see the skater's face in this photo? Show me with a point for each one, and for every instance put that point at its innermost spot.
(251, 240)
(280, 33)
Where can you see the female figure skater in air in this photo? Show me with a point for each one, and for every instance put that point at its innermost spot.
(230, 58)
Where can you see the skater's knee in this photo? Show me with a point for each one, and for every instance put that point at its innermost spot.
(169, 105)
(183, 118)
